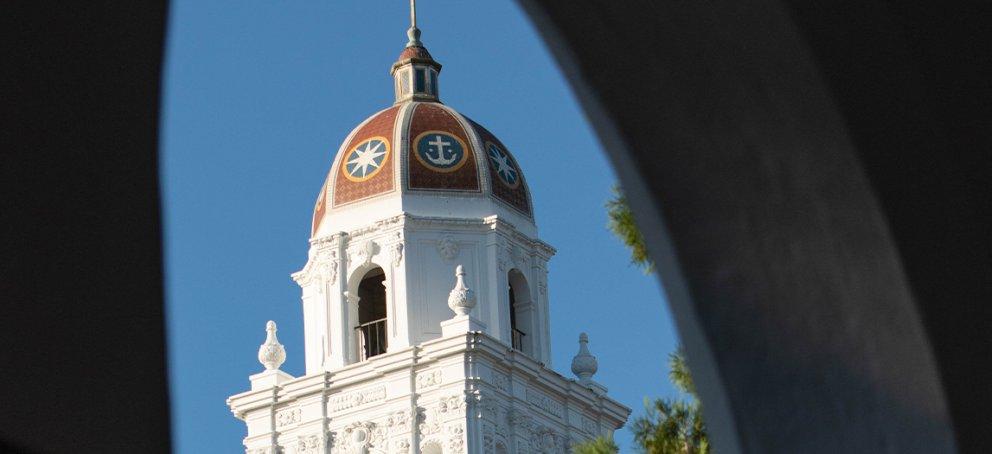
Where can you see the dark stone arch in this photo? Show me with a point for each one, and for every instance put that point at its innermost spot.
(683, 94)
(810, 180)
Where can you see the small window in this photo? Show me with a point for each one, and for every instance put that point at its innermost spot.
(434, 82)
(420, 81)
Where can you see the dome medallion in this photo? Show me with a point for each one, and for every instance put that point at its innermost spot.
(422, 157)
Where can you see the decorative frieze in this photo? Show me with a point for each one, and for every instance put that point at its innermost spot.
(589, 426)
(499, 381)
(545, 403)
(358, 398)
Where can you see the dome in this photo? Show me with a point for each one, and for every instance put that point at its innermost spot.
(420, 157)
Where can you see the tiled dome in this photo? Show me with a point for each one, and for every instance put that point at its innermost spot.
(420, 148)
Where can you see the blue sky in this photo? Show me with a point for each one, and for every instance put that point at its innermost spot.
(258, 95)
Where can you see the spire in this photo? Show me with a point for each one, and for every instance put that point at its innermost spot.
(415, 71)
(584, 365)
(413, 33)
(271, 353)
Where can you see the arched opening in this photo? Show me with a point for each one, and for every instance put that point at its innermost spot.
(370, 333)
(520, 308)
(431, 447)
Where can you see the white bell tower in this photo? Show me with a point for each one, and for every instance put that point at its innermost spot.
(425, 301)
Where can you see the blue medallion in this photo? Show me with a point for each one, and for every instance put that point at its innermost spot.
(503, 165)
(366, 159)
(440, 151)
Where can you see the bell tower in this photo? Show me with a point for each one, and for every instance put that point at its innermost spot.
(425, 301)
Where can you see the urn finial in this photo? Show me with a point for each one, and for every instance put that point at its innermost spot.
(584, 365)
(271, 354)
(461, 299)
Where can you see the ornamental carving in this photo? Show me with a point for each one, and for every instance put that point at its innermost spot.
(396, 254)
(265, 450)
(502, 256)
(453, 404)
(368, 250)
(500, 381)
(271, 353)
(359, 398)
(309, 444)
(488, 407)
(322, 267)
(519, 256)
(519, 420)
(447, 247)
(401, 446)
(427, 421)
(360, 437)
(429, 379)
(544, 402)
(456, 439)
(589, 426)
(287, 417)
(397, 421)
(461, 299)
(546, 441)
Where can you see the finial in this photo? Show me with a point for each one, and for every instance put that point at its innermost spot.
(271, 354)
(461, 299)
(584, 365)
(413, 33)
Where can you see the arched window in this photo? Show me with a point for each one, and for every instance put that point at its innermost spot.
(520, 311)
(371, 330)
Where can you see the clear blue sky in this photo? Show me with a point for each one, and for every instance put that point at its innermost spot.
(259, 95)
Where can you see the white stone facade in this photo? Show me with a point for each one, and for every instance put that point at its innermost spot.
(419, 256)
(463, 393)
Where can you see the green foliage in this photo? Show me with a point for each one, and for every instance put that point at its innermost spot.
(669, 426)
(678, 372)
(673, 426)
(622, 225)
(598, 445)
